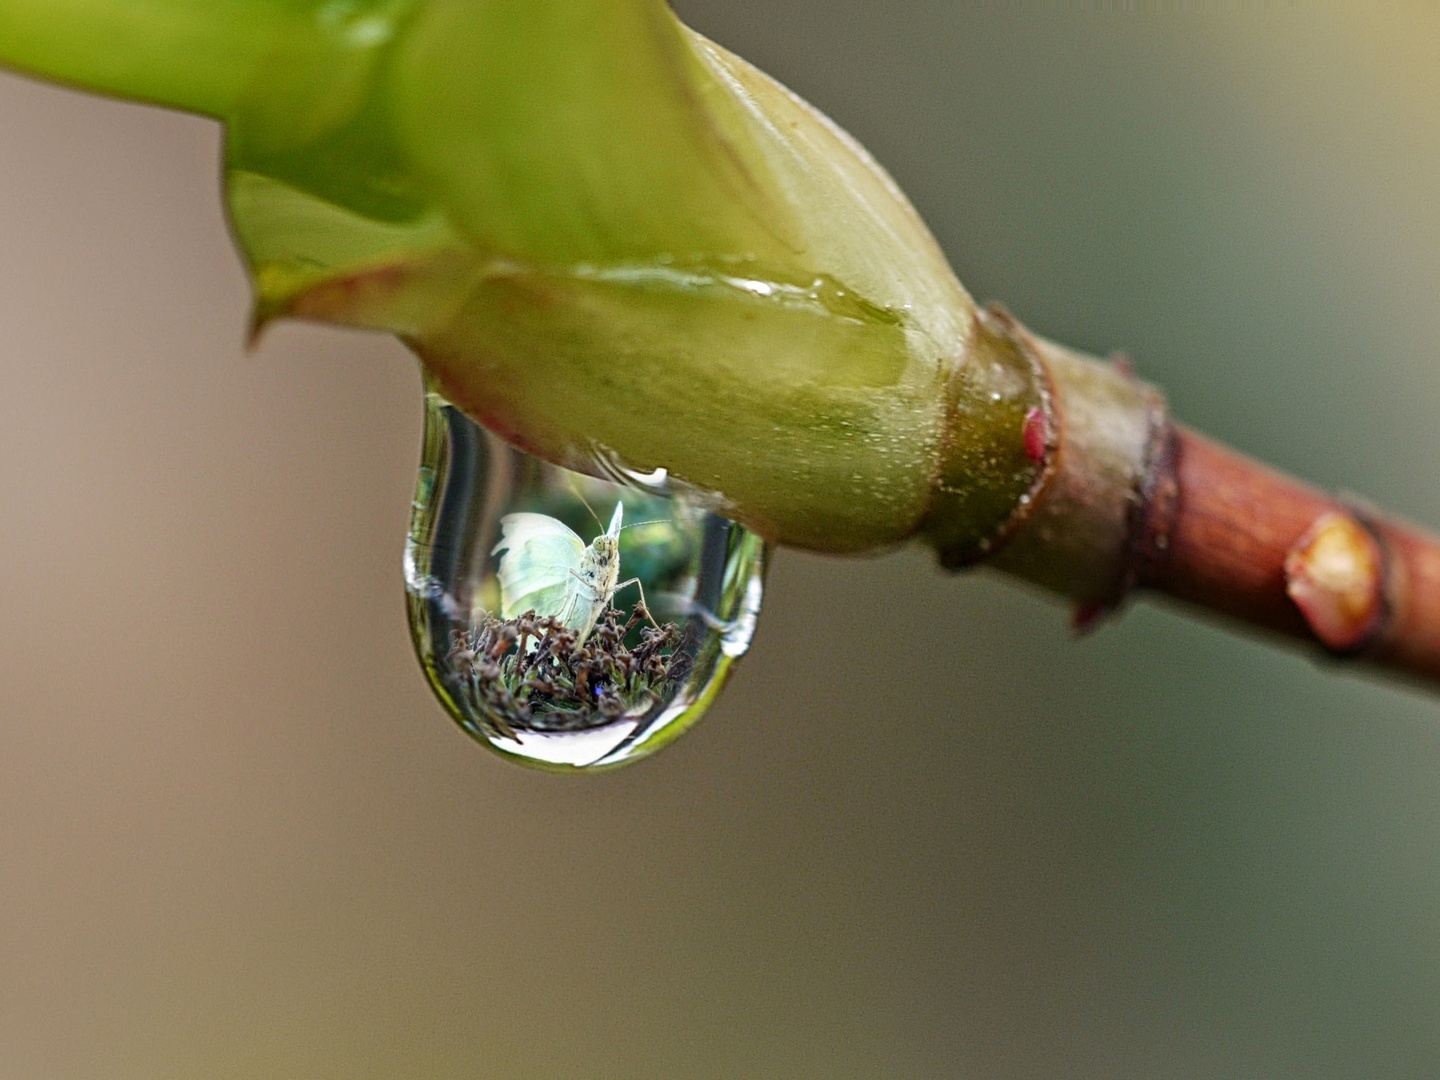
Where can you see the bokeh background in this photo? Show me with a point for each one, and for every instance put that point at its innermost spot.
(925, 833)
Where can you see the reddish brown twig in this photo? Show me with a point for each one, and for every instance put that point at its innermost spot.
(1235, 537)
(1126, 499)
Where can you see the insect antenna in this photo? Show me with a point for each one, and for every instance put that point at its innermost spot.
(575, 489)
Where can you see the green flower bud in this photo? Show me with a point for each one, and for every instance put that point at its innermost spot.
(605, 237)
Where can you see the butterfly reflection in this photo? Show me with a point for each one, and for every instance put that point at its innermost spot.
(560, 656)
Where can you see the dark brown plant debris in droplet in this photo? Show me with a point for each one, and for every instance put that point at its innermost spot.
(527, 674)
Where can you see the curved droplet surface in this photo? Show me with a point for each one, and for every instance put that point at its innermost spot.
(565, 621)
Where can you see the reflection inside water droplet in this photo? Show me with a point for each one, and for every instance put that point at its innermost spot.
(566, 621)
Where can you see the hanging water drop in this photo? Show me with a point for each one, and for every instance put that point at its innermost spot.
(565, 621)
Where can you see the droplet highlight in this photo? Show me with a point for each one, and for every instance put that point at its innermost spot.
(565, 621)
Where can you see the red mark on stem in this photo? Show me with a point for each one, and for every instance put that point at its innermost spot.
(1087, 616)
(1036, 435)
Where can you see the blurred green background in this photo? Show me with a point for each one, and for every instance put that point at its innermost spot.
(925, 833)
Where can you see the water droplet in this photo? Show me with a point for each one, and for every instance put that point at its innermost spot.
(526, 606)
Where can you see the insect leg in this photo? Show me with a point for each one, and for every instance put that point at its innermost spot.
(587, 584)
(644, 607)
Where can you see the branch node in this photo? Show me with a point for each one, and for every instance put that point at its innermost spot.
(1336, 574)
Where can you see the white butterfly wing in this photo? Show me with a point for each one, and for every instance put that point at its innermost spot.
(537, 571)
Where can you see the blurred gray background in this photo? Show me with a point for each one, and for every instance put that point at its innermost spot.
(925, 833)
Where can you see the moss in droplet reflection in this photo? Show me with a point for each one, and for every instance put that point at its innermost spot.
(529, 674)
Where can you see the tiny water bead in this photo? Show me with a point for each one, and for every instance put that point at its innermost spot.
(565, 621)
